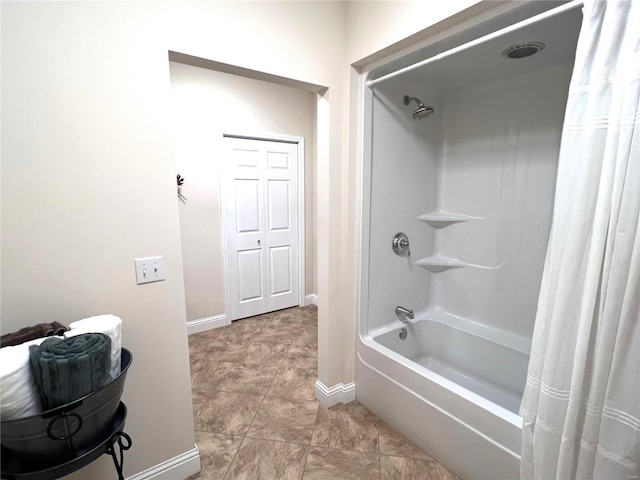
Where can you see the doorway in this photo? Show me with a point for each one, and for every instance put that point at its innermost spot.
(206, 105)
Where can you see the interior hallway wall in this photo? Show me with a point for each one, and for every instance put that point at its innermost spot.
(88, 172)
(206, 104)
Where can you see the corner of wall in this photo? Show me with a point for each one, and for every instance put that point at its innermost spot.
(340, 393)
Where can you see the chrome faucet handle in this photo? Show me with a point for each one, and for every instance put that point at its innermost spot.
(403, 313)
(400, 244)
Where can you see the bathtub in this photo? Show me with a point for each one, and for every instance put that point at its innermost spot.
(454, 391)
(487, 367)
(471, 187)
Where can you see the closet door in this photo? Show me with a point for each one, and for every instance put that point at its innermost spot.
(261, 202)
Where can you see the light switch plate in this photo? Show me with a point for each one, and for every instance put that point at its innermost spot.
(149, 270)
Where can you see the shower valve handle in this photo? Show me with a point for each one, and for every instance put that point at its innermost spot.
(400, 244)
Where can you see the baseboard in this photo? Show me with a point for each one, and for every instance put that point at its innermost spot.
(181, 466)
(340, 393)
(208, 323)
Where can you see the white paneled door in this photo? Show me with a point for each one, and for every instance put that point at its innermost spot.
(260, 185)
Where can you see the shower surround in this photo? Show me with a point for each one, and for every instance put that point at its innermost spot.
(471, 186)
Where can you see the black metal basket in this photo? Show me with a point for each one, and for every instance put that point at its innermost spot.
(64, 431)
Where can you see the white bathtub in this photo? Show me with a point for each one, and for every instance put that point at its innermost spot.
(483, 366)
(453, 392)
(472, 188)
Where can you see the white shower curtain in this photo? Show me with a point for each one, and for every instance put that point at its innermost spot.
(581, 405)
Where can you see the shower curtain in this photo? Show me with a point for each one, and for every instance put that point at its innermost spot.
(581, 405)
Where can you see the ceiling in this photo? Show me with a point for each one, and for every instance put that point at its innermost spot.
(481, 60)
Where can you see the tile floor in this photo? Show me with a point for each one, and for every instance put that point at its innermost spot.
(256, 416)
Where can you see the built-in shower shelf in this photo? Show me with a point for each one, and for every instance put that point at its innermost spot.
(442, 219)
(440, 263)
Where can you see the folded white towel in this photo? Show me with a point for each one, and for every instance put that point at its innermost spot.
(109, 325)
(19, 396)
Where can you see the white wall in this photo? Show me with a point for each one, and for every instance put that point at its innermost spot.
(88, 173)
(375, 25)
(489, 152)
(404, 172)
(206, 104)
(87, 186)
(501, 146)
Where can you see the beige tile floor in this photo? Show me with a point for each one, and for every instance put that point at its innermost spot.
(256, 416)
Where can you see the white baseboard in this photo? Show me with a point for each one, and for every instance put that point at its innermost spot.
(179, 467)
(340, 393)
(208, 323)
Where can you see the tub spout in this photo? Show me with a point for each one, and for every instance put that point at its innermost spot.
(404, 313)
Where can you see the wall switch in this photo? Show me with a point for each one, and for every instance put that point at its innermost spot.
(149, 270)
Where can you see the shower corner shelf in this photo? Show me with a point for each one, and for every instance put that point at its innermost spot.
(440, 263)
(442, 219)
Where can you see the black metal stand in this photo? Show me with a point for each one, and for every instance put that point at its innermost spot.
(122, 446)
(17, 468)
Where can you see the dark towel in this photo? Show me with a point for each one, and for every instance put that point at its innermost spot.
(31, 333)
(65, 370)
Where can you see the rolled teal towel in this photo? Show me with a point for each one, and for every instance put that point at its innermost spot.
(67, 369)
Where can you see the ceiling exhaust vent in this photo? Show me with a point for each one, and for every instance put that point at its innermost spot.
(522, 50)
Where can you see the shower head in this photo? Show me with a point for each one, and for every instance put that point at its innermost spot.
(422, 111)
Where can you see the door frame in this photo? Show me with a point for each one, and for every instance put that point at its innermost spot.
(268, 137)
